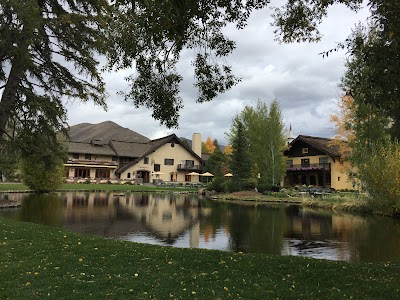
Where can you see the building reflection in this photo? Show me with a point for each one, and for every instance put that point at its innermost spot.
(161, 216)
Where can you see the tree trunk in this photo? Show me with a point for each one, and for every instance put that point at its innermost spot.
(9, 97)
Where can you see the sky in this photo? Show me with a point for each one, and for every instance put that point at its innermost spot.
(305, 84)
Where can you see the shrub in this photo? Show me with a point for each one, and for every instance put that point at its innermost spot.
(380, 173)
(216, 185)
(249, 184)
(41, 176)
(263, 187)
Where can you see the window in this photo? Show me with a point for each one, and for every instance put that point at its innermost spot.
(157, 168)
(189, 163)
(304, 150)
(323, 160)
(102, 173)
(289, 163)
(305, 162)
(146, 160)
(125, 160)
(128, 175)
(75, 155)
(88, 156)
(172, 145)
(168, 162)
(338, 179)
(82, 172)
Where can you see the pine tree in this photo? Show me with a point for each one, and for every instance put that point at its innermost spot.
(240, 163)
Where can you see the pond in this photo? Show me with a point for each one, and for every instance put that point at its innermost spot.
(183, 220)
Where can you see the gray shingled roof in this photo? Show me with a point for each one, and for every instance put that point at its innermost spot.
(76, 147)
(129, 149)
(104, 132)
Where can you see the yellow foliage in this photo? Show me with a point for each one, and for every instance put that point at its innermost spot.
(344, 122)
(209, 144)
(228, 150)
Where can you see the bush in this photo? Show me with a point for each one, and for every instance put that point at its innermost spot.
(231, 186)
(263, 187)
(217, 185)
(381, 175)
(41, 176)
(249, 184)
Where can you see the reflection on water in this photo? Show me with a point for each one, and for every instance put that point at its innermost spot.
(190, 221)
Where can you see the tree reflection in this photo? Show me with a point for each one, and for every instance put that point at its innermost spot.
(47, 209)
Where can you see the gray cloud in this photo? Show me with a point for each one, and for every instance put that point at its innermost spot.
(305, 84)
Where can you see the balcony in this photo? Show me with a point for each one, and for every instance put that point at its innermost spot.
(309, 167)
(91, 162)
(189, 167)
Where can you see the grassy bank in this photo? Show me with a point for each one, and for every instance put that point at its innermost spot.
(349, 202)
(99, 187)
(67, 265)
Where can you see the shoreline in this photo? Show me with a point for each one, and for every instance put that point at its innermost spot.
(334, 204)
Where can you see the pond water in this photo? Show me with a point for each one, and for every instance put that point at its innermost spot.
(190, 221)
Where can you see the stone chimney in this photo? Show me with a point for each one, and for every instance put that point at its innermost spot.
(196, 143)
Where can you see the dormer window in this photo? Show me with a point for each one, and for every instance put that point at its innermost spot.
(304, 150)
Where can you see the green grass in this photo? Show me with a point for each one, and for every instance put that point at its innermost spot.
(99, 187)
(13, 187)
(349, 202)
(39, 262)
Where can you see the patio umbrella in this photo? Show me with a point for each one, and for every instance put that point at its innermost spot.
(193, 174)
(207, 174)
(158, 173)
(228, 175)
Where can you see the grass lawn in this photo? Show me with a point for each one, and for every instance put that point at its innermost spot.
(39, 262)
(99, 187)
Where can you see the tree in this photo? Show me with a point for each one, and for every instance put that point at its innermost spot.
(209, 145)
(240, 163)
(47, 52)
(217, 165)
(41, 43)
(368, 128)
(228, 149)
(265, 132)
(41, 166)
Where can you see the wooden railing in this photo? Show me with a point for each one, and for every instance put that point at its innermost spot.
(309, 167)
(189, 167)
(92, 162)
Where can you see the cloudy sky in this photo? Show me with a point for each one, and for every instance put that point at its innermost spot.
(304, 84)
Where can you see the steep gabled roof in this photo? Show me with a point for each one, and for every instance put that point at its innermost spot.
(154, 145)
(323, 144)
(104, 132)
(127, 149)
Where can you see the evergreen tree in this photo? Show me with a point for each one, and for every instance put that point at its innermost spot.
(46, 51)
(240, 163)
